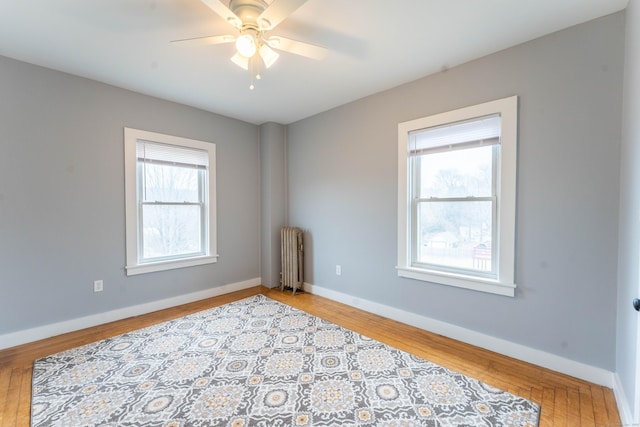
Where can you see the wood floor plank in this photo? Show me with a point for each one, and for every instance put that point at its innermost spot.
(586, 407)
(548, 407)
(13, 398)
(560, 411)
(573, 407)
(564, 400)
(524, 392)
(600, 416)
(612, 407)
(24, 403)
(5, 379)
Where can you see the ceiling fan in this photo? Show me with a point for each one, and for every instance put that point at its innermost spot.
(254, 19)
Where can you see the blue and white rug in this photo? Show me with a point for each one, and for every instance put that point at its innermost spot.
(258, 362)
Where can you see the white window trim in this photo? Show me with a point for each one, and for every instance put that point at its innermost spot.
(133, 267)
(505, 282)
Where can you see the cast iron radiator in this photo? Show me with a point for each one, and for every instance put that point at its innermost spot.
(292, 255)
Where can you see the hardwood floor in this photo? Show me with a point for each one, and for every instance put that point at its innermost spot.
(565, 401)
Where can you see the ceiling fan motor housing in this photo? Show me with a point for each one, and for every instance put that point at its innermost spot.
(248, 11)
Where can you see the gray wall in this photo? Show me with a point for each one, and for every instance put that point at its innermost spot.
(628, 361)
(343, 190)
(62, 196)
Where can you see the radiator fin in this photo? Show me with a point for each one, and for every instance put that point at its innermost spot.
(292, 255)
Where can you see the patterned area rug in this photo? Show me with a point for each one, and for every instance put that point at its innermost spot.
(258, 362)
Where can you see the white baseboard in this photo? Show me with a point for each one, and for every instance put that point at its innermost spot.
(624, 408)
(29, 335)
(518, 351)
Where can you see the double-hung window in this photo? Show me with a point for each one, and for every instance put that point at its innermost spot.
(456, 180)
(170, 201)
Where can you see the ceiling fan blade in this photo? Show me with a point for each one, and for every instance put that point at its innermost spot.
(299, 48)
(200, 41)
(277, 12)
(218, 7)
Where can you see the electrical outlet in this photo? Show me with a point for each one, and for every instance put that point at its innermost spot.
(338, 270)
(97, 285)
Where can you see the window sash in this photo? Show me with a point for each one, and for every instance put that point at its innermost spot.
(416, 241)
(200, 251)
(174, 153)
(414, 164)
(142, 183)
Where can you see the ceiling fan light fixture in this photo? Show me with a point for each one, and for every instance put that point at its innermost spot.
(246, 45)
(240, 61)
(254, 67)
(254, 18)
(268, 55)
(233, 20)
(264, 24)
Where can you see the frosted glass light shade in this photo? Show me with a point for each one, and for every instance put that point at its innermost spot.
(246, 45)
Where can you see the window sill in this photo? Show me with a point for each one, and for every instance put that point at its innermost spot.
(169, 265)
(459, 281)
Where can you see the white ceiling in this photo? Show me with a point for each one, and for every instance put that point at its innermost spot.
(373, 45)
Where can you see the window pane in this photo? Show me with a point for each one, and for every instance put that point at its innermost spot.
(168, 183)
(457, 173)
(171, 230)
(455, 234)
